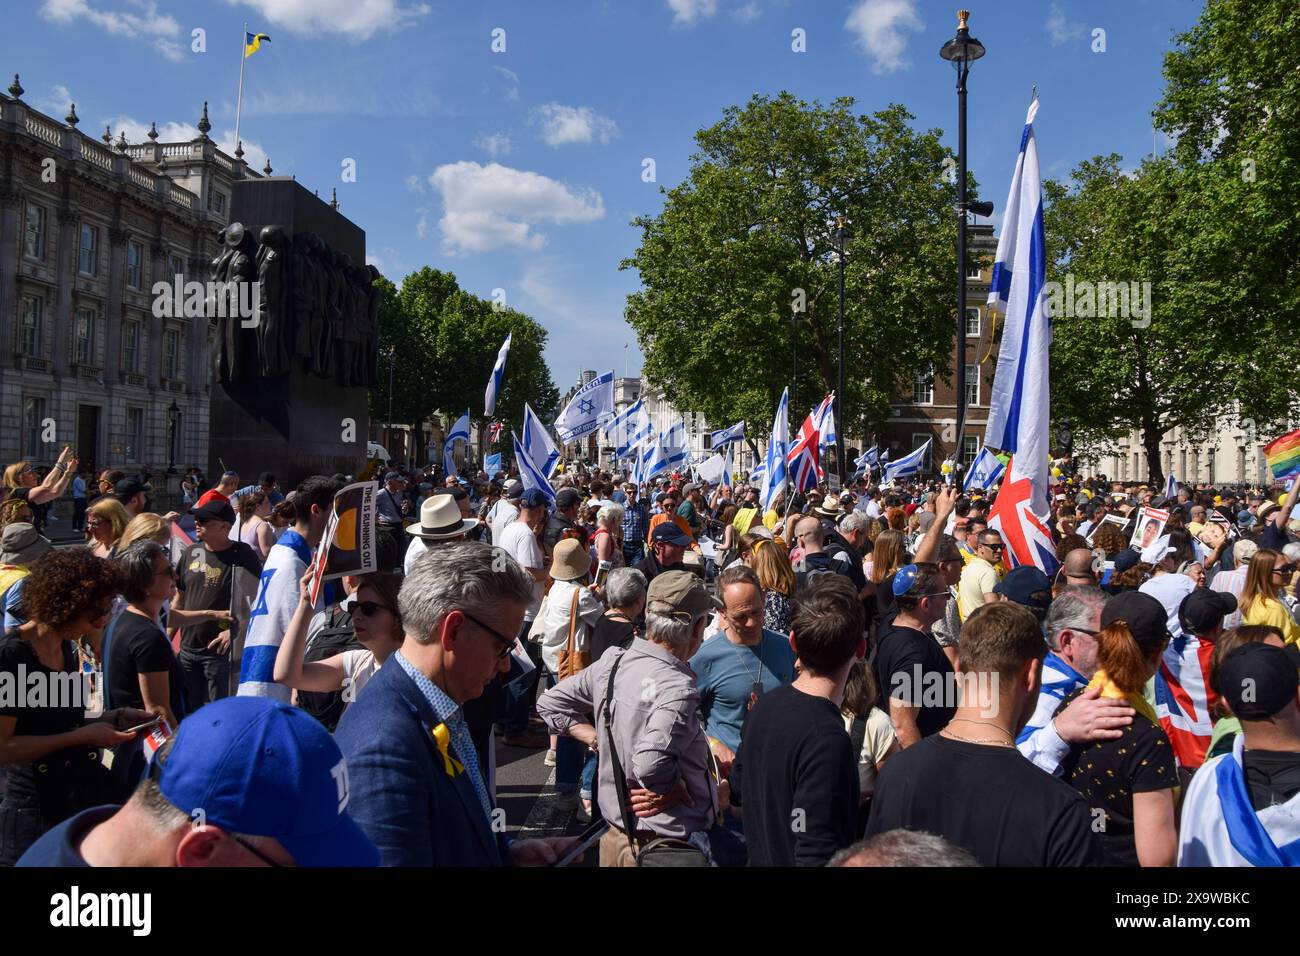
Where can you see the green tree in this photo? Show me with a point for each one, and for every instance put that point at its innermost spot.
(749, 236)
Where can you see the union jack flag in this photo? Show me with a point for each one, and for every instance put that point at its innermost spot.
(1028, 540)
(494, 431)
(1184, 700)
(804, 469)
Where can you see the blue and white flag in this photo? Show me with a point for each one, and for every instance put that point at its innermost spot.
(778, 446)
(629, 429)
(494, 383)
(1171, 486)
(758, 474)
(727, 435)
(653, 459)
(529, 474)
(673, 443)
(492, 464)
(277, 597)
(824, 421)
(712, 471)
(459, 432)
(1019, 408)
(908, 465)
(537, 443)
(589, 409)
(983, 471)
(868, 458)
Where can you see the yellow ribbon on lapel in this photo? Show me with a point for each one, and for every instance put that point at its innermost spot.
(442, 737)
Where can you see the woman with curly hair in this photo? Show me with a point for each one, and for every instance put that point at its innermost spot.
(1110, 538)
(106, 521)
(49, 748)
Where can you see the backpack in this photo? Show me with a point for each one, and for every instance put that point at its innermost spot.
(335, 637)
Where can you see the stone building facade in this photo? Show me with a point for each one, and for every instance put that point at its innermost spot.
(87, 227)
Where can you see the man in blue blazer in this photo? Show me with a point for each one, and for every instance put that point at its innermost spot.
(417, 789)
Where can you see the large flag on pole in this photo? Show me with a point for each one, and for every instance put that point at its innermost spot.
(591, 406)
(673, 442)
(459, 432)
(983, 471)
(1020, 406)
(629, 429)
(824, 419)
(1028, 540)
(727, 435)
(774, 471)
(494, 381)
(1171, 485)
(529, 473)
(253, 42)
(538, 445)
(803, 456)
(909, 464)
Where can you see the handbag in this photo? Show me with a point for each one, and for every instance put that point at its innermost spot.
(661, 851)
(538, 629)
(570, 660)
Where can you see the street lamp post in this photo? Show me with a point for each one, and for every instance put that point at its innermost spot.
(173, 417)
(961, 51)
(840, 235)
(794, 359)
(392, 356)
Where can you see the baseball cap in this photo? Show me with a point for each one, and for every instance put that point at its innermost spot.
(256, 766)
(1203, 610)
(532, 498)
(1028, 586)
(1144, 615)
(669, 532)
(127, 488)
(514, 489)
(1258, 680)
(567, 498)
(684, 591)
(266, 478)
(215, 510)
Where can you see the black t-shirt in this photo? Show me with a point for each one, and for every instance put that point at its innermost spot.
(1273, 776)
(796, 765)
(204, 579)
(911, 665)
(610, 633)
(1108, 772)
(988, 800)
(139, 646)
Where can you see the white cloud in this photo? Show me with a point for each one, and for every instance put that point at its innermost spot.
(422, 224)
(414, 183)
(747, 13)
(137, 132)
(56, 102)
(688, 11)
(562, 125)
(1059, 29)
(488, 207)
(162, 30)
(494, 144)
(879, 26)
(358, 19)
(512, 93)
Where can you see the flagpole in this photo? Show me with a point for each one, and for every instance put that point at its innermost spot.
(239, 100)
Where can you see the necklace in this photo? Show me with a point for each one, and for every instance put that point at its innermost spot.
(966, 720)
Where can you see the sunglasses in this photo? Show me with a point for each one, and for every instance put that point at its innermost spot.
(993, 547)
(371, 608)
(1285, 569)
(507, 642)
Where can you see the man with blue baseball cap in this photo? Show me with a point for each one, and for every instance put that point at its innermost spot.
(246, 781)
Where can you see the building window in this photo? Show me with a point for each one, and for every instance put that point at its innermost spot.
(171, 352)
(174, 439)
(919, 439)
(974, 272)
(973, 321)
(131, 347)
(1182, 466)
(923, 387)
(84, 337)
(134, 265)
(970, 449)
(88, 259)
(972, 385)
(30, 332)
(216, 200)
(34, 235)
(177, 269)
(134, 434)
(1209, 462)
(33, 425)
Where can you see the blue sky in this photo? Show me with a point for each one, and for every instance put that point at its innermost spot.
(521, 170)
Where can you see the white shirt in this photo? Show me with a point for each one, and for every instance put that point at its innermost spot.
(416, 548)
(518, 541)
(359, 665)
(555, 635)
(1230, 582)
(500, 515)
(1169, 590)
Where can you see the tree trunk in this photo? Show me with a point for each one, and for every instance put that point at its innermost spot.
(1151, 435)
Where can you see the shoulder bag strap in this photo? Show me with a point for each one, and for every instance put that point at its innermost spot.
(573, 621)
(620, 781)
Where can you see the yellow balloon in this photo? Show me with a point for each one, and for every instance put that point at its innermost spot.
(1056, 473)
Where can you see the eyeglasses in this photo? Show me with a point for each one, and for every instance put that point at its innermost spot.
(255, 851)
(509, 642)
(1285, 569)
(371, 608)
(937, 594)
(993, 547)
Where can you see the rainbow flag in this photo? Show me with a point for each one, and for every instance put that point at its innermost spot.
(1283, 455)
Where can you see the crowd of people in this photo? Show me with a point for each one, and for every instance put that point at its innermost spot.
(852, 677)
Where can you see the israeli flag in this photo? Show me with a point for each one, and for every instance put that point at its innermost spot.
(673, 443)
(653, 459)
(529, 473)
(983, 472)
(824, 422)
(459, 432)
(538, 445)
(494, 383)
(1018, 412)
(908, 465)
(758, 474)
(727, 435)
(1171, 486)
(628, 430)
(775, 470)
(868, 458)
(589, 409)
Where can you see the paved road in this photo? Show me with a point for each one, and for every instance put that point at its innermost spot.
(526, 791)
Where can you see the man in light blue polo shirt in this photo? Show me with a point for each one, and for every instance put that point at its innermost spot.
(738, 664)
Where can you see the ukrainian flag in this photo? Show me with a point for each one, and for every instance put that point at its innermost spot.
(252, 41)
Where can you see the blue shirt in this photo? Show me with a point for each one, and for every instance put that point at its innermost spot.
(78, 487)
(726, 673)
(636, 522)
(449, 713)
(275, 497)
(12, 602)
(58, 846)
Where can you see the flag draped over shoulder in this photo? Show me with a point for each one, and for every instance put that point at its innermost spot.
(774, 467)
(589, 409)
(494, 380)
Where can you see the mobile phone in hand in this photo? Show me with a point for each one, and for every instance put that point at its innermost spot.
(587, 838)
(146, 725)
